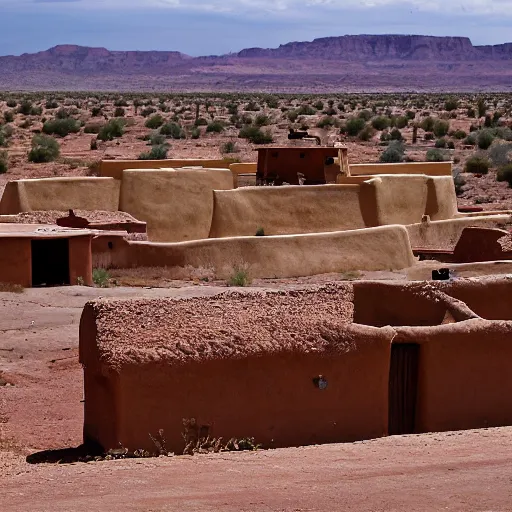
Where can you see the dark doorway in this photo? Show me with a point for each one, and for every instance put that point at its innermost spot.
(403, 388)
(50, 262)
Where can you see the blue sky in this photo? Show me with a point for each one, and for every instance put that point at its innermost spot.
(206, 27)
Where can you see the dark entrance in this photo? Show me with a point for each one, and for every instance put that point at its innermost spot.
(403, 388)
(50, 262)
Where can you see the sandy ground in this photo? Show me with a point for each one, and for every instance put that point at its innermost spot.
(41, 408)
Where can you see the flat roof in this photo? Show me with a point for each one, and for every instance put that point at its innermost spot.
(14, 230)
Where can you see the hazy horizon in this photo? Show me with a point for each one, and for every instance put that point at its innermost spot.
(213, 27)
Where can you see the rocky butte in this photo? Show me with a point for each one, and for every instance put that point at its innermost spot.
(345, 63)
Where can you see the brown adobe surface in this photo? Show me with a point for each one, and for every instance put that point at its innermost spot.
(135, 331)
(50, 216)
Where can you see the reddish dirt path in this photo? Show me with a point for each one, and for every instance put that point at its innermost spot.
(466, 471)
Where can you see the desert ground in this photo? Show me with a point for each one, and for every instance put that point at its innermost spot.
(473, 131)
(41, 409)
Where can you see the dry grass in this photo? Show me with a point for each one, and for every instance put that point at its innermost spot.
(11, 288)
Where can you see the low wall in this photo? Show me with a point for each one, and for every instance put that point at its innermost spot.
(242, 168)
(290, 210)
(444, 234)
(176, 205)
(383, 248)
(464, 375)
(428, 168)
(16, 261)
(115, 168)
(60, 194)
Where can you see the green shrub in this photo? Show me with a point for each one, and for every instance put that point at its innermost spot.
(401, 122)
(262, 120)
(3, 162)
(505, 174)
(61, 127)
(8, 116)
(482, 107)
(366, 133)
(484, 139)
(195, 133)
(44, 149)
(381, 122)
(173, 131)
(215, 127)
(272, 102)
(500, 154)
(292, 115)
(154, 122)
(200, 121)
(441, 128)
(441, 143)
(470, 140)
(427, 124)
(477, 164)
(396, 134)
(11, 103)
(434, 155)
(451, 104)
(260, 231)
(394, 153)
(410, 114)
(240, 277)
(119, 112)
(62, 113)
(255, 135)
(306, 110)
(326, 122)
(25, 107)
(94, 144)
(229, 147)
(365, 114)
(93, 127)
(252, 107)
(96, 111)
(121, 102)
(147, 111)
(101, 277)
(319, 105)
(459, 182)
(354, 126)
(113, 129)
(156, 139)
(157, 153)
(458, 134)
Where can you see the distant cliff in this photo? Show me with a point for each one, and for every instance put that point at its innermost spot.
(362, 62)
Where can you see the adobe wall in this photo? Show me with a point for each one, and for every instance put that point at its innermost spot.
(290, 210)
(115, 168)
(382, 248)
(464, 375)
(428, 168)
(80, 260)
(242, 168)
(230, 372)
(15, 261)
(444, 234)
(60, 194)
(177, 205)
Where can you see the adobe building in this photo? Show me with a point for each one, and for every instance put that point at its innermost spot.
(41, 255)
(331, 363)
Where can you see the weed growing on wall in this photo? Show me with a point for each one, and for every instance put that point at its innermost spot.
(240, 277)
(101, 277)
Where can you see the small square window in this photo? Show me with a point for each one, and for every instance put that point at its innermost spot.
(302, 155)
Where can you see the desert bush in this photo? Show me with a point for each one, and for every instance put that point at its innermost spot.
(8, 116)
(240, 277)
(44, 149)
(458, 134)
(25, 107)
(158, 152)
(395, 134)
(173, 131)
(3, 162)
(505, 174)
(500, 154)
(94, 144)
(195, 133)
(262, 120)
(451, 104)
(394, 153)
(427, 124)
(215, 127)
(326, 122)
(470, 140)
(366, 133)
(306, 110)
(459, 181)
(503, 132)
(354, 126)
(477, 164)
(61, 127)
(260, 231)
(441, 128)
(62, 113)
(292, 115)
(119, 112)
(441, 143)
(319, 105)
(380, 122)
(155, 139)
(435, 155)
(11, 103)
(101, 277)
(365, 114)
(200, 121)
(252, 106)
(471, 113)
(482, 107)
(272, 102)
(410, 114)
(96, 111)
(401, 122)
(51, 104)
(484, 139)
(154, 122)
(113, 129)
(228, 147)
(93, 127)
(121, 102)
(255, 135)
(146, 112)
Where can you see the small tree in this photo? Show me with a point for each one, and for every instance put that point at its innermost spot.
(427, 124)
(44, 149)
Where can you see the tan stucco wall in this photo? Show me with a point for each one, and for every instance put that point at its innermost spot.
(288, 210)
(428, 168)
(445, 233)
(242, 168)
(383, 248)
(60, 194)
(115, 168)
(176, 204)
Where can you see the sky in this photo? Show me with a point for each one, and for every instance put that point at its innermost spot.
(213, 27)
